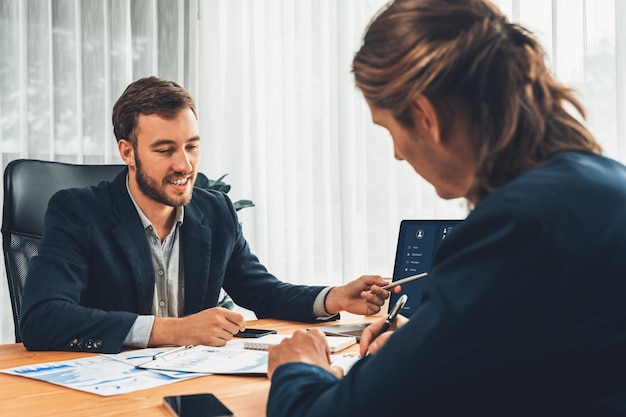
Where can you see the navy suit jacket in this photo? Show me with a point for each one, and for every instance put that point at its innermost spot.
(524, 313)
(93, 274)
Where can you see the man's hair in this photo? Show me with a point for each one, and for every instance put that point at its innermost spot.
(466, 51)
(151, 95)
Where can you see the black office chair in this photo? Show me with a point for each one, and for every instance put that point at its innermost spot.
(28, 185)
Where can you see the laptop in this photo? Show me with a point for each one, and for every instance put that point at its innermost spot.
(418, 241)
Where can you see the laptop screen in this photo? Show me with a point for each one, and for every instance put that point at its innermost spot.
(418, 241)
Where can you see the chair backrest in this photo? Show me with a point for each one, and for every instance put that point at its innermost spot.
(28, 185)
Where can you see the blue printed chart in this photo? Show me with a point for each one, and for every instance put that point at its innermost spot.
(101, 375)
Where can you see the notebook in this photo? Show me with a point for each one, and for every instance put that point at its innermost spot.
(418, 241)
(336, 343)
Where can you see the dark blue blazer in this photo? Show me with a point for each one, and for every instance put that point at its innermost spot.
(93, 274)
(524, 314)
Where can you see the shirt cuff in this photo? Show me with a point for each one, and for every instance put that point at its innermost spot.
(139, 334)
(319, 306)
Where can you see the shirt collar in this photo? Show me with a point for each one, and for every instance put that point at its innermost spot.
(180, 211)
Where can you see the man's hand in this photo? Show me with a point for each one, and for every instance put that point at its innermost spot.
(362, 296)
(304, 346)
(212, 327)
(372, 344)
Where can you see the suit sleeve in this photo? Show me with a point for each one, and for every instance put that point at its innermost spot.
(468, 342)
(250, 284)
(52, 317)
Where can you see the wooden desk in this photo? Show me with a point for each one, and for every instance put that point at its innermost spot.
(25, 397)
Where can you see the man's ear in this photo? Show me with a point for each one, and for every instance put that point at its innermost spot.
(425, 117)
(127, 152)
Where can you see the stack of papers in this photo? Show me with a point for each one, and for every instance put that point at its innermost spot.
(134, 370)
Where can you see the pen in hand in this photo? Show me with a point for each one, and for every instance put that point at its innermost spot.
(404, 281)
(391, 317)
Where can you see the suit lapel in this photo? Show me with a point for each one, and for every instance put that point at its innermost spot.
(131, 238)
(195, 237)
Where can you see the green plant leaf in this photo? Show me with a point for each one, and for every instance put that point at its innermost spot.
(242, 204)
(202, 181)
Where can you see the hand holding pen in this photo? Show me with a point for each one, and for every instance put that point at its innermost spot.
(394, 284)
(369, 337)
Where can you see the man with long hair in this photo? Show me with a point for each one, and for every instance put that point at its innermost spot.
(525, 310)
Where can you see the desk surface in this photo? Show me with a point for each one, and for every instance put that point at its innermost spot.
(20, 396)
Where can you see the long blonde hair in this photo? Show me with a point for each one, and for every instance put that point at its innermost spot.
(467, 51)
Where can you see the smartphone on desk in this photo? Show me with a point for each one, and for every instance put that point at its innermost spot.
(254, 333)
(196, 405)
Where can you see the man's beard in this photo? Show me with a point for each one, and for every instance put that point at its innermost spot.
(149, 187)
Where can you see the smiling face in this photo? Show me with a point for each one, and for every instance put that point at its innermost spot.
(163, 161)
(445, 161)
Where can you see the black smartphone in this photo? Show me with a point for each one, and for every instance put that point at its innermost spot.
(254, 333)
(197, 405)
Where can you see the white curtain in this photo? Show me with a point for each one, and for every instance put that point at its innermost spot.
(63, 63)
(277, 106)
(280, 114)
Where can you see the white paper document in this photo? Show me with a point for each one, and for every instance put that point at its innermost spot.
(112, 374)
(134, 370)
(344, 362)
(210, 360)
(99, 375)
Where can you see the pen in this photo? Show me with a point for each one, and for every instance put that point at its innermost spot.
(164, 354)
(404, 281)
(178, 349)
(392, 316)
